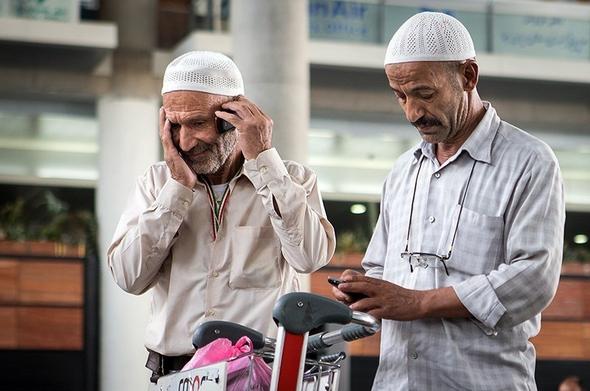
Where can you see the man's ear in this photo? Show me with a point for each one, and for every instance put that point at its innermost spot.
(469, 74)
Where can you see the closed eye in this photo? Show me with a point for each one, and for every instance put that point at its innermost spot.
(174, 126)
(426, 95)
(197, 123)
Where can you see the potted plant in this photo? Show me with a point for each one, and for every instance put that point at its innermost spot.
(350, 249)
(576, 260)
(42, 224)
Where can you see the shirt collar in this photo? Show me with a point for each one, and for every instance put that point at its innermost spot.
(479, 143)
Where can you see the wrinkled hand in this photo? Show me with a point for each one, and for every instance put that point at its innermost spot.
(384, 300)
(253, 126)
(181, 172)
(340, 295)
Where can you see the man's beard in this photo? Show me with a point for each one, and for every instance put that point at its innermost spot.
(210, 158)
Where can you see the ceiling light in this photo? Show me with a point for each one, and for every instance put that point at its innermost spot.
(581, 239)
(359, 209)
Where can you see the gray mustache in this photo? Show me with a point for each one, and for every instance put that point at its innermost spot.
(421, 122)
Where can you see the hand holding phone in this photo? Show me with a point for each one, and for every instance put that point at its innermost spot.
(254, 127)
(222, 125)
(334, 281)
(354, 296)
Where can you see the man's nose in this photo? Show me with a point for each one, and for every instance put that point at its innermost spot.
(191, 137)
(414, 111)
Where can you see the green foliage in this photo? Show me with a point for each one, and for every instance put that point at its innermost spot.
(349, 241)
(42, 216)
(576, 253)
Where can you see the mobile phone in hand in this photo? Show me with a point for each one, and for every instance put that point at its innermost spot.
(334, 281)
(354, 296)
(222, 125)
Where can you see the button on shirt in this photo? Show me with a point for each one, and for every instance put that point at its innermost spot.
(231, 264)
(504, 266)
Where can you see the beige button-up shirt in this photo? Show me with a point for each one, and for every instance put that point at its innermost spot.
(231, 264)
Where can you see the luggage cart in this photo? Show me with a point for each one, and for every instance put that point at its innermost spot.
(296, 314)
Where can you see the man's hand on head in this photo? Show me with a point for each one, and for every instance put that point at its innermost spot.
(253, 126)
(180, 170)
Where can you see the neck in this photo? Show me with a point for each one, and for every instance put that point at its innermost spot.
(232, 165)
(473, 115)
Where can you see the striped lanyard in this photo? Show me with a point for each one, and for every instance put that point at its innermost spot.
(217, 206)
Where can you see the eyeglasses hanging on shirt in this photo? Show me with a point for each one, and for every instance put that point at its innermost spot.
(425, 260)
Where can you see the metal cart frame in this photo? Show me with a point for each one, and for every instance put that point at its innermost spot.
(296, 314)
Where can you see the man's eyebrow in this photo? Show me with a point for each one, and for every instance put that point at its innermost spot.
(413, 89)
(189, 117)
(421, 88)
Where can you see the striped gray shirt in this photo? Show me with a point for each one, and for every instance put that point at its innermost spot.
(504, 266)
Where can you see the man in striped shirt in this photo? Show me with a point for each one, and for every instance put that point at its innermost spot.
(468, 246)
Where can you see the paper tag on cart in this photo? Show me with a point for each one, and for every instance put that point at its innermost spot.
(210, 378)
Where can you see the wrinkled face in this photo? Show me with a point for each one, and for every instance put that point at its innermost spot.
(431, 96)
(192, 116)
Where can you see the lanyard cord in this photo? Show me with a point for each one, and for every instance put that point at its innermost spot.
(460, 210)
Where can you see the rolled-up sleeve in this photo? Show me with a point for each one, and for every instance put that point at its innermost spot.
(525, 283)
(146, 232)
(306, 236)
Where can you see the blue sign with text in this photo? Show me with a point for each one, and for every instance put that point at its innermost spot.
(544, 36)
(344, 20)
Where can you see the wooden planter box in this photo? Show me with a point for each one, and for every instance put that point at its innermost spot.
(41, 296)
(573, 268)
(50, 249)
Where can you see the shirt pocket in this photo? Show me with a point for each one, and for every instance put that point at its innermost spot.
(479, 242)
(255, 259)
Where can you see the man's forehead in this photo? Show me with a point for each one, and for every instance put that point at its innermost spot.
(409, 72)
(192, 101)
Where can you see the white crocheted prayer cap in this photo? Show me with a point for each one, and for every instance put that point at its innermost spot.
(203, 71)
(430, 36)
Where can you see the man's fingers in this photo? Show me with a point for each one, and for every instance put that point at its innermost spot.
(240, 107)
(365, 305)
(349, 272)
(244, 106)
(229, 117)
(340, 296)
(170, 149)
(165, 133)
(162, 118)
(364, 287)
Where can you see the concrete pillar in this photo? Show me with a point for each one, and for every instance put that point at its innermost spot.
(129, 143)
(270, 48)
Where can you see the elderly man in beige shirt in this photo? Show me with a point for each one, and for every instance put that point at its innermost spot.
(221, 229)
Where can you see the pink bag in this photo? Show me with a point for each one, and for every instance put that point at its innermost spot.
(249, 372)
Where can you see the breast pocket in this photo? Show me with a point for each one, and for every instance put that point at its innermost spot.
(479, 243)
(255, 259)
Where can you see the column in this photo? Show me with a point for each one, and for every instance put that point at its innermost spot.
(129, 143)
(270, 48)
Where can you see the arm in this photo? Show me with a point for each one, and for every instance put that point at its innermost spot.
(525, 284)
(390, 301)
(518, 290)
(151, 219)
(291, 197)
(307, 238)
(146, 232)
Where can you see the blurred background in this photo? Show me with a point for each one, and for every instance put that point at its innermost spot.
(79, 95)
